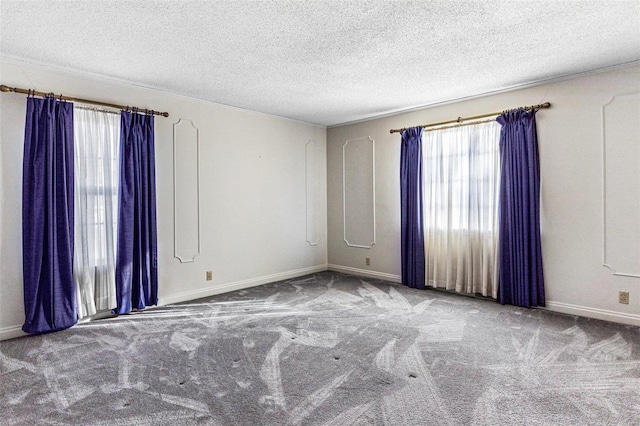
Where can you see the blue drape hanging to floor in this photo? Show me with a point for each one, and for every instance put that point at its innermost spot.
(521, 277)
(47, 217)
(412, 234)
(137, 255)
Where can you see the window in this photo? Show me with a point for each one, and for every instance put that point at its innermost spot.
(96, 150)
(461, 168)
(461, 176)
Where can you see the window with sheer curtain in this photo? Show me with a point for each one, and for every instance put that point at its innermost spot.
(461, 176)
(96, 150)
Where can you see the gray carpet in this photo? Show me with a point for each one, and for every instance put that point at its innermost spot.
(327, 349)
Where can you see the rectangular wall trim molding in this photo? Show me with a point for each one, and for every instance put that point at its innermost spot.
(620, 186)
(359, 192)
(186, 190)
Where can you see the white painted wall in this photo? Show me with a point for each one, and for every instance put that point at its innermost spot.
(253, 206)
(253, 191)
(571, 146)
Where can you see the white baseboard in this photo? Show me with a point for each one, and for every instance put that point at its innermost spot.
(365, 273)
(566, 308)
(601, 314)
(7, 333)
(16, 331)
(239, 285)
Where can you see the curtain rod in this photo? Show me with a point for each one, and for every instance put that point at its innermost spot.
(4, 88)
(467, 123)
(460, 120)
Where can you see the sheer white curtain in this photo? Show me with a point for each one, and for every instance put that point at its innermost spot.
(461, 169)
(96, 143)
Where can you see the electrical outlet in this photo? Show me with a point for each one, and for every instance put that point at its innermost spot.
(367, 261)
(209, 275)
(623, 297)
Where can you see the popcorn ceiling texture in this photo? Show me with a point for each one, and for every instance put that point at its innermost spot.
(324, 62)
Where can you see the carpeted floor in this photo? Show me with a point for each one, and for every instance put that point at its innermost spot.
(327, 349)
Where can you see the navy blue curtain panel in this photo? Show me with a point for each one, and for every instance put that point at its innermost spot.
(521, 277)
(47, 217)
(137, 254)
(412, 238)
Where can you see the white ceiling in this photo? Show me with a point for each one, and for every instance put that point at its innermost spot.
(323, 62)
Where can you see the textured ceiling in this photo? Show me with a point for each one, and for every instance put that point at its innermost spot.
(324, 62)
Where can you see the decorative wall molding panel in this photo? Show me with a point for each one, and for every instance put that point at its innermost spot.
(313, 181)
(358, 192)
(186, 190)
(621, 184)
